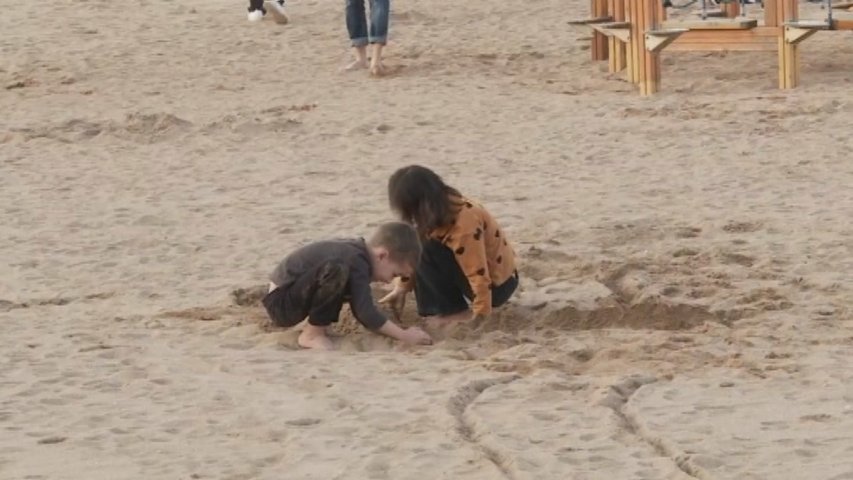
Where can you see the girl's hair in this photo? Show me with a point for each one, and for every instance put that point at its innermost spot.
(422, 199)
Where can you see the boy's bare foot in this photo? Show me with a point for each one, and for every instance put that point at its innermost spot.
(355, 65)
(314, 337)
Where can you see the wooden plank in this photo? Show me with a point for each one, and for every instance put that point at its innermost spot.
(843, 24)
(648, 21)
(598, 49)
(713, 14)
(809, 24)
(732, 36)
(618, 11)
(769, 46)
(653, 64)
(613, 25)
(771, 13)
(630, 61)
(792, 11)
(760, 39)
(639, 23)
(782, 65)
(787, 52)
(591, 21)
(688, 37)
(731, 10)
(634, 43)
(617, 48)
(714, 24)
(757, 31)
(792, 51)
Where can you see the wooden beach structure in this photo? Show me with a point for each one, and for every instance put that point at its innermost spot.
(631, 34)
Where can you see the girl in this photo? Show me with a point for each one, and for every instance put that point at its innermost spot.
(466, 256)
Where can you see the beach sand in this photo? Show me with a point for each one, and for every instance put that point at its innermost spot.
(685, 259)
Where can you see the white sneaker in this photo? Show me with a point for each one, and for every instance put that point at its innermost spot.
(256, 16)
(277, 10)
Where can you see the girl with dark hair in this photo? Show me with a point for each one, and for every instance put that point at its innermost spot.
(466, 256)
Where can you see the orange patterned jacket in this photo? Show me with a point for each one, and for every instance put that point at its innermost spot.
(482, 251)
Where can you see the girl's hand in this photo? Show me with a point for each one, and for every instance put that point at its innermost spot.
(396, 300)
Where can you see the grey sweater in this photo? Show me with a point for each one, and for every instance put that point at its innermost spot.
(352, 253)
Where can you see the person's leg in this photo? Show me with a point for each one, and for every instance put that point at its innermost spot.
(357, 29)
(502, 293)
(440, 285)
(318, 295)
(285, 306)
(378, 35)
(326, 304)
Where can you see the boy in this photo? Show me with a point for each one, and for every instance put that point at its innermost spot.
(316, 280)
(259, 8)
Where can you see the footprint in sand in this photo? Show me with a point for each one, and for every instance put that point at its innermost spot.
(741, 227)
(52, 440)
(738, 259)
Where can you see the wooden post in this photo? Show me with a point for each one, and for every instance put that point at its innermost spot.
(789, 53)
(731, 9)
(616, 47)
(645, 16)
(771, 13)
(651, 82)
(634, 65)
(599, 41)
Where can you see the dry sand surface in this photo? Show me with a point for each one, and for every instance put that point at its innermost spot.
(686, 259)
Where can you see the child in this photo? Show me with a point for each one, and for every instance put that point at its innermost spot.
(257, 10)
(466, 255)
(360, 35)
(316, 280)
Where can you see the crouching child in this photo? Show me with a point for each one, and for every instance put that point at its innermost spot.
(316, 280)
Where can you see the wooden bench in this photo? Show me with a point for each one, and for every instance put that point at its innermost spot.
(842, 21)
(799, 30)
(620, 30)
(715, 24)
(591, 21)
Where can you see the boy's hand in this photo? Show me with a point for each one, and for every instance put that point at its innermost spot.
(416, 336)
(396, 300)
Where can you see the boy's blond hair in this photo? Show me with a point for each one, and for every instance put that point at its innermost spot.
(401, 241)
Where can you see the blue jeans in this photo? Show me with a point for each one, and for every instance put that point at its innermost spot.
(359, 33)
